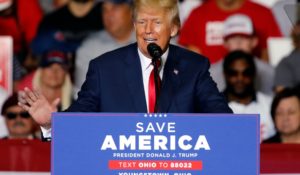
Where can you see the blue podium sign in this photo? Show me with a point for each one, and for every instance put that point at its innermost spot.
(156, 144)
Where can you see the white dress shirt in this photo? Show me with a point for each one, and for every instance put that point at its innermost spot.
(147, 68)
(146, 71)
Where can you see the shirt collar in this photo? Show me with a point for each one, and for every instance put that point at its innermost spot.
(146, 62)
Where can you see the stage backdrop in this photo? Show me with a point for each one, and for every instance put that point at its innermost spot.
(160, 144)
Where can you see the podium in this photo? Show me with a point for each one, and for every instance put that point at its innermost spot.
(177, 144)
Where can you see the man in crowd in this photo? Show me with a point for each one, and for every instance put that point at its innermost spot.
(203, 30)
(19, 123)
(68, 25)
(17, 21)
(118, 32)
(239, 69)
(239, 34)
(122, 80)
(20, 19)
(65, 28)
(287, 72)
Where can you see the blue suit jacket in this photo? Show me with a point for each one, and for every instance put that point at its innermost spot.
(114, 83)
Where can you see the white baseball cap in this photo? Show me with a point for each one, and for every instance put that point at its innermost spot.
(4, 4)
(238, 24)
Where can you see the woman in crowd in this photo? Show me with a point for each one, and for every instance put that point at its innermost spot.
(285, 112)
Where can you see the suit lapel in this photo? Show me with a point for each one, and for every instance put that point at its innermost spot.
(171, 80)
(133, 73)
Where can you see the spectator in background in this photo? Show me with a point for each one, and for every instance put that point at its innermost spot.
(239, 34)
(287, 72)
(51, 79)
(117, 20)
(67, 27)
(186, 7)
(285, 12)
(239, 70)
(19, 123)
(20, 19)
(285, 111)
(203, 30)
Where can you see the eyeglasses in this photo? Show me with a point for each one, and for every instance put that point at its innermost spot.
(13, 115)
(245, 73)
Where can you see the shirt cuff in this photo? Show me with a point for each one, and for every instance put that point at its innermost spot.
(46, 132)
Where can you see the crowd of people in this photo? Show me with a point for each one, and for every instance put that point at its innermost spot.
(55, 40)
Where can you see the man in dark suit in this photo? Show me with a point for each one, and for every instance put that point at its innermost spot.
(118, 81)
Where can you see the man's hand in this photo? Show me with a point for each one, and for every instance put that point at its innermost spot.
(38, 106)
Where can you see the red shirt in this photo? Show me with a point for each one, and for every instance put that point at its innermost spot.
(29, 16)
(204, 27)
(26, 81)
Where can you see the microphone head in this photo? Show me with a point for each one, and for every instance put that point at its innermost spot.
(154, 50)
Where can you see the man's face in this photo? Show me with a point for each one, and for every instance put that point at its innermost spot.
(239, 42)
(153, 25)
(240, 78)
(117, 18)
(53, 76)
(287, 116)
(19, 122)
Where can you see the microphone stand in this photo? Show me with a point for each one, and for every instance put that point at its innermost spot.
(157, 83)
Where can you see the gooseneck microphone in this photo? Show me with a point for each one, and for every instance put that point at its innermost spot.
(156, 52)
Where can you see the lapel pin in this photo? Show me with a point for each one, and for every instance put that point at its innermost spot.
(176, 71)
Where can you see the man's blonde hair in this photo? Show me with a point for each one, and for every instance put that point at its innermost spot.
(169, 5)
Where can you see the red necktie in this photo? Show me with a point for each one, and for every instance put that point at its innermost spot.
(151, 89)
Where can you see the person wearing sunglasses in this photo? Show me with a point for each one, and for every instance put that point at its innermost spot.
(239, 34)
(243, 98)
(19, 123)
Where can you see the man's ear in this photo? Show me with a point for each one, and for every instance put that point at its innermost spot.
(174, 30)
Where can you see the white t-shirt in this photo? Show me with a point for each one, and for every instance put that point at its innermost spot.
(261, 106)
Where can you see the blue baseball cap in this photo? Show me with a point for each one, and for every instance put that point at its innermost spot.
(54, 57)
(50, 40)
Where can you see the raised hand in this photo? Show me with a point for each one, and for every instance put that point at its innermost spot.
(38, 106)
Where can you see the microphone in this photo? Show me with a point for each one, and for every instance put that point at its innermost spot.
(154, 50)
